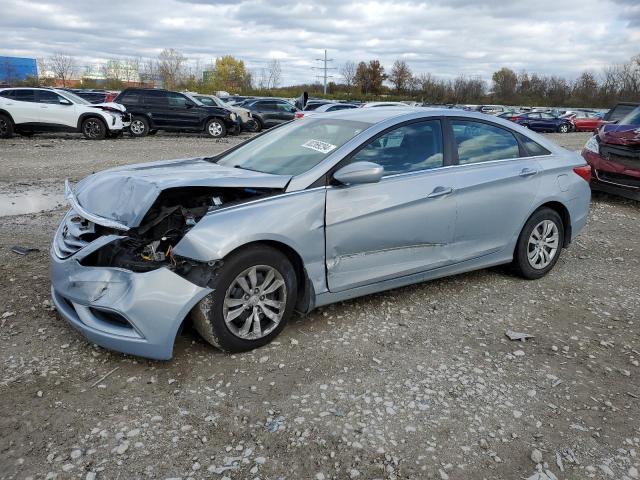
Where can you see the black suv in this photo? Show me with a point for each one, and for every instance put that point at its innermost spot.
(153, 109)
(268, 112)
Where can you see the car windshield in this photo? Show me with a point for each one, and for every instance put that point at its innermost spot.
(632, 119)
(74, 98)
(295, 147)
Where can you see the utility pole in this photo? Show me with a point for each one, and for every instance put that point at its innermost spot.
(324, 68)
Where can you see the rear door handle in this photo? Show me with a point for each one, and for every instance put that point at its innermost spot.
(440, 192)
(528, 172)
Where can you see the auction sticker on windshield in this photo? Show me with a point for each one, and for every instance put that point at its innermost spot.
(318, 146)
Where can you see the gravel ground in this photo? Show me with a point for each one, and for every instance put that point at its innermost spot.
(418, 382)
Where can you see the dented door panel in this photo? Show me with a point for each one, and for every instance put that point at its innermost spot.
(388, 229)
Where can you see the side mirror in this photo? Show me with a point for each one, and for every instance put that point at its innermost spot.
(359, 172)
(189, 104)
(64, 101)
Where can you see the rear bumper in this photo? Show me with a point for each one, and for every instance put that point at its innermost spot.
(134, 313)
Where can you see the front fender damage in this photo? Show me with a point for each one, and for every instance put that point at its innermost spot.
(151, 245)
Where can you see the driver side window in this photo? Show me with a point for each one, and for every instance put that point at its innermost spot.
(409, 148)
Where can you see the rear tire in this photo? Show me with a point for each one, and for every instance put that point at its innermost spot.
(231, 300)
(564, 128)
(139, 126)
(94, 129)
(539, 244)
(6, 127)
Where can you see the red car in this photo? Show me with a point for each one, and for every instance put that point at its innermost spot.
(586, 122)
(614, 155)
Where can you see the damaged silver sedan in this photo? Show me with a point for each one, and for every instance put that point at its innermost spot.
(310, 213)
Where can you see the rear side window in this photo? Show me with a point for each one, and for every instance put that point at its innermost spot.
(532, 148)
(156, 98)
(24, 95)
(130, 97)
(480, 142)
(409, 148)
(7, 93)
(284, 107)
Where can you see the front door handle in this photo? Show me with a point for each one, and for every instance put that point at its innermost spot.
(528, 172)
(440, 192)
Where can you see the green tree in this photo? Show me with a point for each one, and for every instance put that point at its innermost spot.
(505, 82)
(229, 74)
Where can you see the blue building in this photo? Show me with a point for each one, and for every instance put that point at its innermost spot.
(14, 69)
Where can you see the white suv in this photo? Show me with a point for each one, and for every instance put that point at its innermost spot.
(31, 110)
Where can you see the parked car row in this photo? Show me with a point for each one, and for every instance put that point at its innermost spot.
(33, 110)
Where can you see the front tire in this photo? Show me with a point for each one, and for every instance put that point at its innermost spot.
(257, 125)
(215, 128)
(6, 127)
(94, 129)
(253, 297)
(564, 128)
(139, 127)
(539, 244)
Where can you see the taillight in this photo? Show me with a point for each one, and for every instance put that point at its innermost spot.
(299, 114)
(584, 172)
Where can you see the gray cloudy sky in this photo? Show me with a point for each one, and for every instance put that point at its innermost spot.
(445, 38)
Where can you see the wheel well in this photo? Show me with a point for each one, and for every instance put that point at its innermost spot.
(561, 210)
(4, 112)
(85, 116)
(305, 288)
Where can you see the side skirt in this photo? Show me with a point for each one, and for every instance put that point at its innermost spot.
(491, 260)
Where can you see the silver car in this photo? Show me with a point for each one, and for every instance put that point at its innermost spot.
(313, 212)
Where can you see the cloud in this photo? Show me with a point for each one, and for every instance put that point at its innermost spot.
(471, 37)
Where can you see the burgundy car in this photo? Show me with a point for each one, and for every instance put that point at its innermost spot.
(614, 155)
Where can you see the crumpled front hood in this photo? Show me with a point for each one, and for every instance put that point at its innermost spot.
(620, 134)
(125, 194)
(109, 106)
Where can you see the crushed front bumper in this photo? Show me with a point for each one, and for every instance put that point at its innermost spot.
(134, 313)
(615, 177)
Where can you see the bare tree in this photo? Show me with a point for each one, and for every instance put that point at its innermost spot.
(149, 71)
(42, 67)
(62, 66)
(170, 64)
(274, 73)
(348, 72)
(400, 76)
(262, 79)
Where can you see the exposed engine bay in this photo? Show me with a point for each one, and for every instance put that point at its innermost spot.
(150, 245)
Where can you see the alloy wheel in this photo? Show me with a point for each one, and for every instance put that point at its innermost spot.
(4, 127)
(543, 244)
(215, 129)
(92, 128)
(137, 127)
(255, 302)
